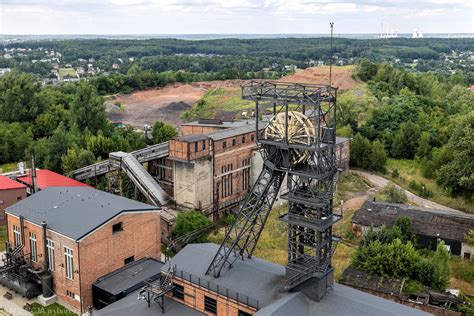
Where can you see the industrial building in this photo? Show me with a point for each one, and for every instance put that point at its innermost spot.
(429, 225)
(77, 235)
(10, 193)
(210, 168)
(251, 287)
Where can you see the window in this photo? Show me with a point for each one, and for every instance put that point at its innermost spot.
(70, 294)
(203, 145)
(210, 305)
(117, 227)
(33, 250)
(226, 180)
(17, 235)
(467, 255)
(68, 259)
(178, 291)
(252, 137)
(246, 174)
(18, 198)
(242, 313)
(234, 141)
(195, 147)
(51, 258)
(224, 145)
(243, 139)
(129, 260)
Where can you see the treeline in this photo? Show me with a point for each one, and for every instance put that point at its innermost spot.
(65, 125)
(421, 116)
(299, 49)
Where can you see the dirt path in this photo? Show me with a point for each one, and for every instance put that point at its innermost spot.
(380, 182)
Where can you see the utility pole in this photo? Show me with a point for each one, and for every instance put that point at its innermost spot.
(330, 60)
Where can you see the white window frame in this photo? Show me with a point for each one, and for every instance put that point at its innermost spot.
(33, 247)
(51, 258)
(16, 235)
(69, 263)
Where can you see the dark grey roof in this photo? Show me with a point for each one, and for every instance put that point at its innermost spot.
(192, 138)
(74, 211)
(130, 277)
(131, 306)
(232, 132)
(261, 280)
(424, 221)
(363, 280)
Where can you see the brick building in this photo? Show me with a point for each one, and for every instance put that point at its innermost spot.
(10, 193)
(214, 164)
(89, 234)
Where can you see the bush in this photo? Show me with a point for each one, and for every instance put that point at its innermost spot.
(190, 221)
(393, 194)
(420, 189)
(412, 287)
(395, 173)
(441, 265)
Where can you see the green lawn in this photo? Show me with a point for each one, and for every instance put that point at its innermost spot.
(8, 167)
(410, 170)
(53, 309)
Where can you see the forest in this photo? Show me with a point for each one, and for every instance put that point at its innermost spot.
(420, 117)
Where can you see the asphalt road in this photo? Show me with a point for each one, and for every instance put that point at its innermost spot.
(380, 182)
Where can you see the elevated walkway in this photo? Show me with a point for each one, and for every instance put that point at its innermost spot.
(139, 176)
(142, 155)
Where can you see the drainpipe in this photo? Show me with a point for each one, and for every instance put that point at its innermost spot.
(22, 230)
(45, 249)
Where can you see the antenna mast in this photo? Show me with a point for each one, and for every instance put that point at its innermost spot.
(330, 60)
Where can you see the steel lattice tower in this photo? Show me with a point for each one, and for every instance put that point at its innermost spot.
(296, 133)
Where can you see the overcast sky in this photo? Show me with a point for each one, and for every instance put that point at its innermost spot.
(233, 16)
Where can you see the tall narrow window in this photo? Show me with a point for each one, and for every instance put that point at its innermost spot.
(210, 305)
(33, 250)
(69, 264)
(51, 258)
(203, 145)
(195, 147)
(16, 235)
(246, 174)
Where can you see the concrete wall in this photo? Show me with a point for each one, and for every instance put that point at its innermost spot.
(8, 198)
(193, 184)
(467, 249)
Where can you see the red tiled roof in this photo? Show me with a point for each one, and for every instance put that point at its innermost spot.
(48, 178)
(8, 184)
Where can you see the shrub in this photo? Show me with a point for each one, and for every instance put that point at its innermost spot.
(393, 194)
(190, 221)
(395, 173)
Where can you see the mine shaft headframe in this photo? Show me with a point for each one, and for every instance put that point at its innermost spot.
(291, 92)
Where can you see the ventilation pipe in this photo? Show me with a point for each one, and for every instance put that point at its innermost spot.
(46, 277)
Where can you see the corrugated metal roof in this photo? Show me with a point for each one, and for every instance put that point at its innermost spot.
(74, 211)
(424, 221)
(9, 184)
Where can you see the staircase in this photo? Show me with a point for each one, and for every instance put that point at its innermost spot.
(140, 177)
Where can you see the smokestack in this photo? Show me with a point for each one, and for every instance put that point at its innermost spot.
(33, 172)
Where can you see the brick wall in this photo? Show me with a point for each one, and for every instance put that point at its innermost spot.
(193, 129)
(97, 254)
(194, 298)
(8, 198)
(233, 159)
(104, 251)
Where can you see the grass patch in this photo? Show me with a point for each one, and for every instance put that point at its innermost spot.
(409, 170)
(215, 100)
(462, 275)
(67, 72)
(8, 167)
(53, 309)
